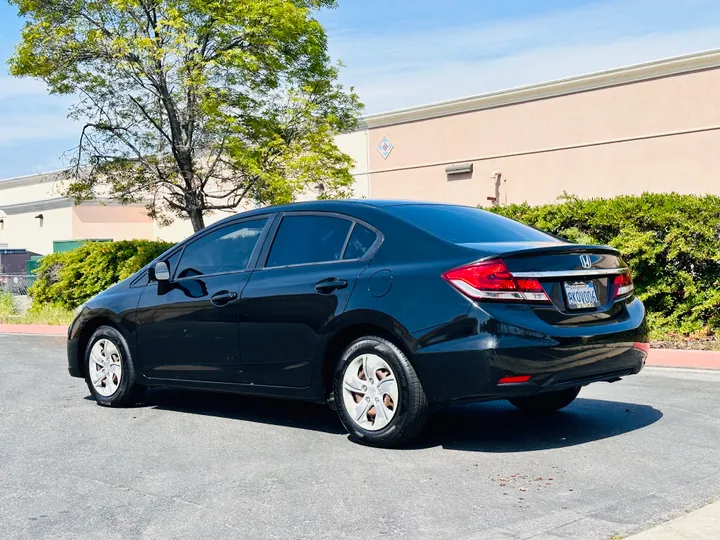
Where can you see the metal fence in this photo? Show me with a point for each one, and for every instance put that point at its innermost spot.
(16, 284)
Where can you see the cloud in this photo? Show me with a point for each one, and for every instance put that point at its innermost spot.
(403, 69)
(12, 87)
(29, 113)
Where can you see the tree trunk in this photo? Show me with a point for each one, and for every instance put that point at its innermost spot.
(197, 219)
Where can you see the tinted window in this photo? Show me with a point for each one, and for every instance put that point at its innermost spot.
(225, 250)
(464, 225)
(308, 239)
(361, 240)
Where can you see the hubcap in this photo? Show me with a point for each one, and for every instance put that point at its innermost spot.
(370, 392)
(105, 367)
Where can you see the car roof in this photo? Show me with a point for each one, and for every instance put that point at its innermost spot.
(337, 205)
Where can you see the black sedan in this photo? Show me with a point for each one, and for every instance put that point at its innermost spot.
(384, 310)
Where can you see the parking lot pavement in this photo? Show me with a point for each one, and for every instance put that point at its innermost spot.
(622, 458)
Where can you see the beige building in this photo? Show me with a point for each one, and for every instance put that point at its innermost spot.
(650, 127)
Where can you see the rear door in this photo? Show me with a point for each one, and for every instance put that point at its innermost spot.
(305, 276)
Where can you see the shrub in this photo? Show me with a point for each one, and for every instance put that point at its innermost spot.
(670, 241)
(70, 278)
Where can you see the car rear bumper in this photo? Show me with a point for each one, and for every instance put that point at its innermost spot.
(466, 361)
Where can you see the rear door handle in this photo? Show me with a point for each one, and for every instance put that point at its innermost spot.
(326, 286)
(223, 298)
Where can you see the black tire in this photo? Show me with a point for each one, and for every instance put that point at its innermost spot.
(128, 392)
(546, 403)
(411, 416)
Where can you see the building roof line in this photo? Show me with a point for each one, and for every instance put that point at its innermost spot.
(571, 85)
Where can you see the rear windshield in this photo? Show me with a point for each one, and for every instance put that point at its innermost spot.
(465, 225)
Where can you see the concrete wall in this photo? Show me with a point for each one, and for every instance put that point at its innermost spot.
(32, 188)
(23, 231)
(356, 146)
(95, 221)
(656, 135)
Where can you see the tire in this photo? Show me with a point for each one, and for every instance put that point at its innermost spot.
(546, 403)
(408, 414)
(120, 389)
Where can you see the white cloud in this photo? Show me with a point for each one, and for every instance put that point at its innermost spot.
(407, 69)
(29, 126)
(12, 87)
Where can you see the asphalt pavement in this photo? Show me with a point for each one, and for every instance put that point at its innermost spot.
(621, 459)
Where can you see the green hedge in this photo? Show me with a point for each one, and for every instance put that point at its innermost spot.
(670, 241)
(70, 278)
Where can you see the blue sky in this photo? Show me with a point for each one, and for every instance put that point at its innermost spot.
(402, 53)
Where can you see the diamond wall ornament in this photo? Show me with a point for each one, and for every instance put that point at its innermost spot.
(385, 147)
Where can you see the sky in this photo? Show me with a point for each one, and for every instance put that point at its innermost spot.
(404, 53)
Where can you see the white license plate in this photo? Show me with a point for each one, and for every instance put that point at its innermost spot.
(581, 295)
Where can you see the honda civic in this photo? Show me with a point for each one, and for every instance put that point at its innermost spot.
(384, 310)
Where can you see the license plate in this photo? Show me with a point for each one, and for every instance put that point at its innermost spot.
(581, 295)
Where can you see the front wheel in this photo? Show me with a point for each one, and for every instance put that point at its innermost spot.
(546, 403)
(379, 397)
(109, 371)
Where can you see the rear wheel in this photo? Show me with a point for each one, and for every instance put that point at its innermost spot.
(379, 397)
(547, 402)
(109, 371)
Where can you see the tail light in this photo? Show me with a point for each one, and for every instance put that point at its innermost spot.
(623, 284)
(491, 280)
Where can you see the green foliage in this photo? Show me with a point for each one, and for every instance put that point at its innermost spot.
(37, 314)
(670, 241)
(193, 105)
(7, 307)
(70, 278)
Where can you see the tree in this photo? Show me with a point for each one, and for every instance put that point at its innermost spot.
(193, 106)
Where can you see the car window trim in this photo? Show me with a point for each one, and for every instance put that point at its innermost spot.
(379, 239)
(253, 256)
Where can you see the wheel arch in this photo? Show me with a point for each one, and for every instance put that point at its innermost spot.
(86, 332)
(354, 326)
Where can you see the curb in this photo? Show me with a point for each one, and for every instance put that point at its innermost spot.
(34, 329)
(684, 359)
(658, 357)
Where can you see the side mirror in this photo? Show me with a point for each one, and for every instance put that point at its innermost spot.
(162, 272)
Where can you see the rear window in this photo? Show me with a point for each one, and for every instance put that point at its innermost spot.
(464, 225)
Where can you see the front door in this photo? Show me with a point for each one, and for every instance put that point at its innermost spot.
(188, 326)
(306, 282)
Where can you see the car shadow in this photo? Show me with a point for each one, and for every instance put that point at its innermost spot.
(499, 427)
(481, 427)
(278, 412)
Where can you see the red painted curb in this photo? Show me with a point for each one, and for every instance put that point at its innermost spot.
(37, 329)
(684, 359)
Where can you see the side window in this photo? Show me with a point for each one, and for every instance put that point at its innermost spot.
(225, 250)
(361, 240)
(308, 239)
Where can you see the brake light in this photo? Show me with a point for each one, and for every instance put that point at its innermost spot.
(491, 280)
(623, 284)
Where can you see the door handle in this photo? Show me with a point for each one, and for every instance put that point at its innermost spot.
(223, 298)
(326, 286)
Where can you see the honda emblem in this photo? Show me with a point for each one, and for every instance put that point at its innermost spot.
(586, 261)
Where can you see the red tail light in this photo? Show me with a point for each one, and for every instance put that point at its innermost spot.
(491, 280)
(623, 285)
